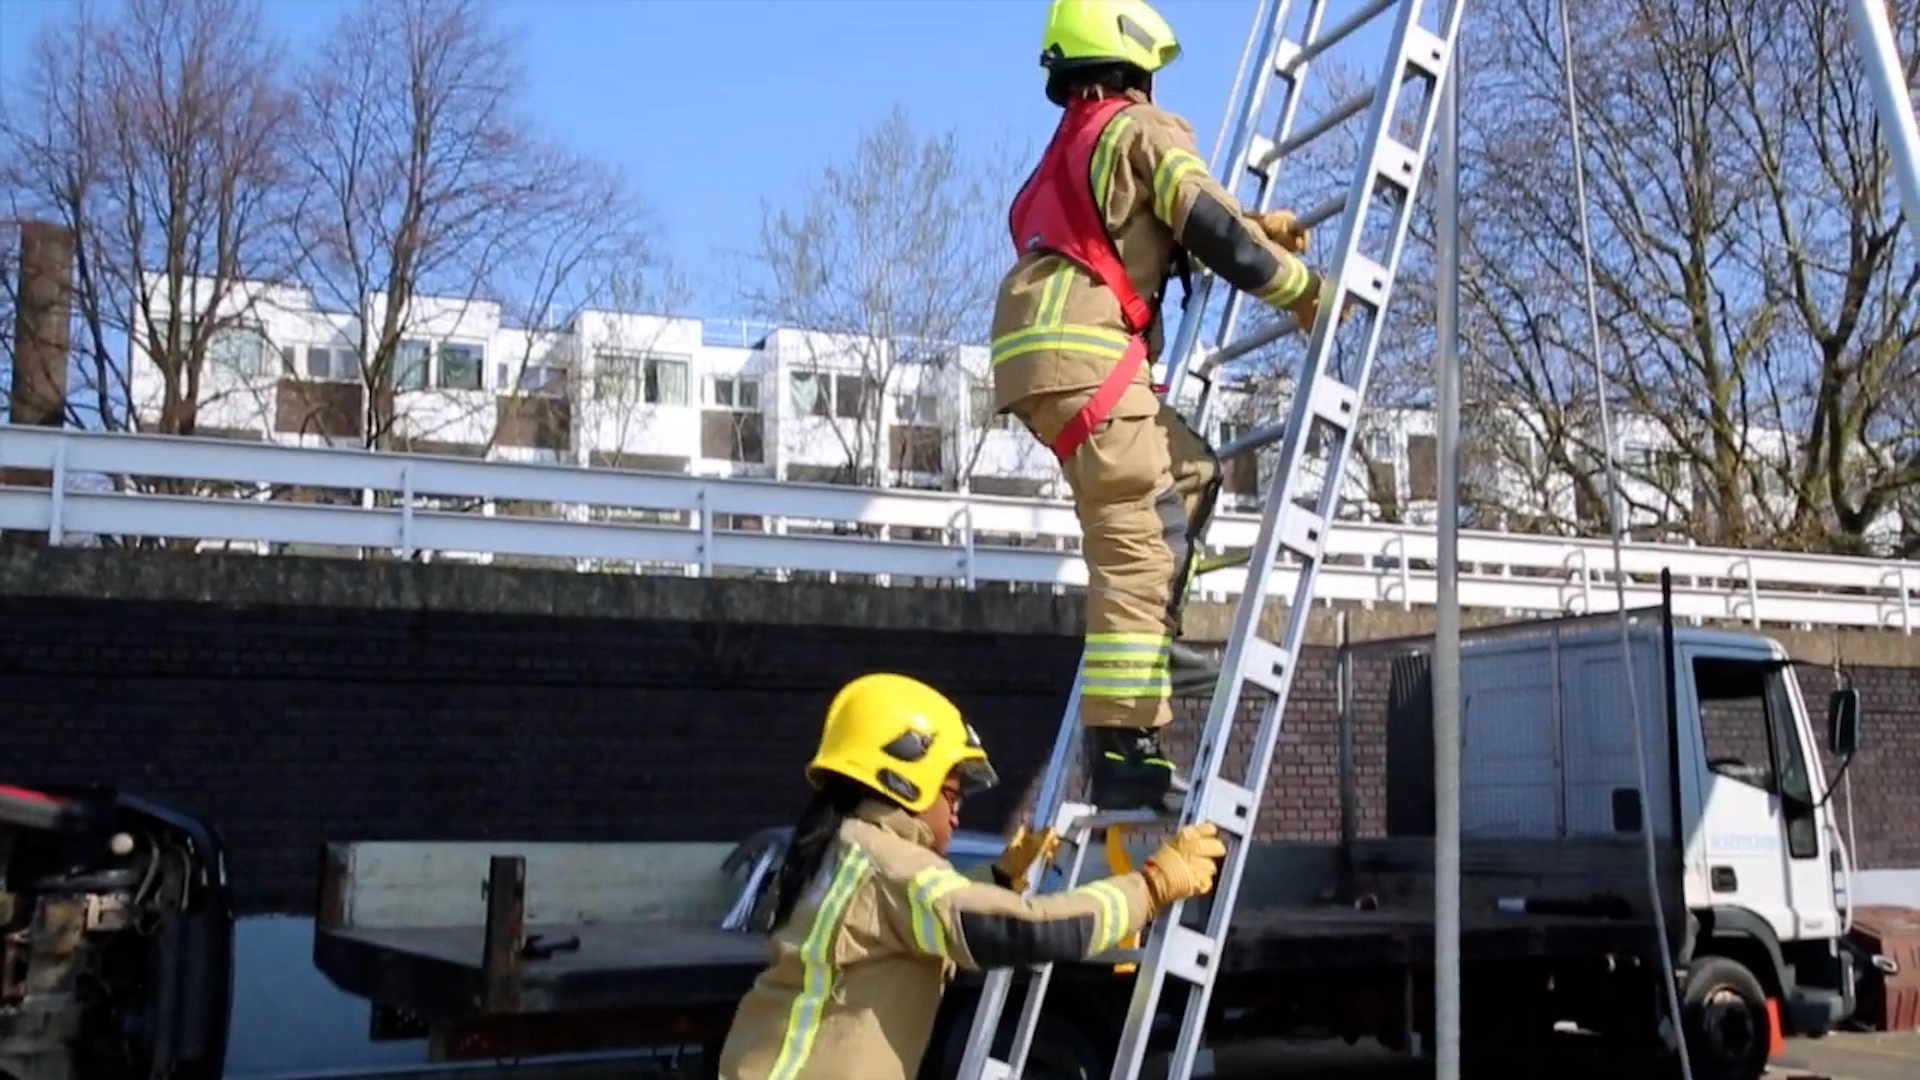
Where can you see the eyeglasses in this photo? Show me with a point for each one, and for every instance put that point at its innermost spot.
(953, 796)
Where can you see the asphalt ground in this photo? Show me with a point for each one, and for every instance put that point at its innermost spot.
(1848, 1056)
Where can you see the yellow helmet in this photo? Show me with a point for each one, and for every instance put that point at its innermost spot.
(1082, 33)
(900, 737)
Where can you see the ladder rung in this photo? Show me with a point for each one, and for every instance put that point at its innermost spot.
(1322, 212)
(1228, 805)
(1263, 664)
(1302, 531)
(1107, 819)
(1252, 440)
(1426, 50)
(1189, 954)
(1297, 55)
(1334, 403)
(1334, 117)
(1367, 281)
(1234, 350)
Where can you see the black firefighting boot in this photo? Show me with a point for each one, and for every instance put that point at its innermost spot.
(1128, 770)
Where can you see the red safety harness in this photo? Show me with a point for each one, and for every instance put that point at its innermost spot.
(1055, 212)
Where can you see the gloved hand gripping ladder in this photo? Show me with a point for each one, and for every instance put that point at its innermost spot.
(1294, 520)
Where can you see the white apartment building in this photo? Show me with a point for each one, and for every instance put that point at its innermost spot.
(608, 388)
(723, 398)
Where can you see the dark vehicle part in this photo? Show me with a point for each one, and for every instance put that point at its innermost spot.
(1887, 940)
(1728, 1029)
(116, 939)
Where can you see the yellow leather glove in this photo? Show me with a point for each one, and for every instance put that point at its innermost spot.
(1307, 309)
(1022, 851)
(1283, 228)
(1185, 865)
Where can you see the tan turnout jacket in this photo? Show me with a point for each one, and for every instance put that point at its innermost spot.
(856, 974)
(1056, 329)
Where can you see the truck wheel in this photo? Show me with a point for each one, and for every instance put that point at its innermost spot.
(1727, 1030)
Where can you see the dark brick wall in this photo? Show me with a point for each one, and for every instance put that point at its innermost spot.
(288, 726)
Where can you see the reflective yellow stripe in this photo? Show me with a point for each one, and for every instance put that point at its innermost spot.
(1174, 167)
(1101, 166)
(1097, 341)
(1290, 286)
(816, 957)
(1126, 665)
(1053, 295)
(1112, 920)
(927, 889)
(1124, 647)
(1156, 686)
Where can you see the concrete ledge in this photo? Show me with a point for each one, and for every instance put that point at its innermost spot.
(300, 581)
(294, 581)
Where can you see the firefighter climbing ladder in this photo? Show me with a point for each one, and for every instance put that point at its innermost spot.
(1295, 520)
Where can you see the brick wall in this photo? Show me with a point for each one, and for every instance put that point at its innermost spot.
(287, 727)
(290, 725)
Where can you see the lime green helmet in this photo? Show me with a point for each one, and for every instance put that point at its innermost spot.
(1102, 33)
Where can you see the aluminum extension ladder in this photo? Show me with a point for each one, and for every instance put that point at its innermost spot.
(1295, 519)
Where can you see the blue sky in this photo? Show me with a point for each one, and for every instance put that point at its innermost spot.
(713, 104)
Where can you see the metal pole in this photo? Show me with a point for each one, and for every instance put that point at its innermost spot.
(1873, 33)
(1446, 645)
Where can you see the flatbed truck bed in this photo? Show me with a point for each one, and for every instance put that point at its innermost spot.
(629, 938)
(441, 970)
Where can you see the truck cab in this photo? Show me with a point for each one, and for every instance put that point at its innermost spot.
(1765, 865)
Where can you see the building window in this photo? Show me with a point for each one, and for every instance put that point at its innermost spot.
(812, 394)
(916, 408)
(543, 380)
(240, 351)
(980, 405)
(410, 363)
(461, 366)
(331, 364)
(631, 378)
(740, 393)
(853, 397)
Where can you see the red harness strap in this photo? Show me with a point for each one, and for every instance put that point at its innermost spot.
(1055, 212)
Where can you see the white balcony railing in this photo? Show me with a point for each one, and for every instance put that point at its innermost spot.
(444, 507)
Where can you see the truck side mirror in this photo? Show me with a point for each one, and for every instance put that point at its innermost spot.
(1843, 722)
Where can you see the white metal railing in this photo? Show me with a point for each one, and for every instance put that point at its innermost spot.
(420, 505)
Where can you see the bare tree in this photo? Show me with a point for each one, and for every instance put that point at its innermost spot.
(1759, 305)
(157, 135)
(423, 180)
(887, 264)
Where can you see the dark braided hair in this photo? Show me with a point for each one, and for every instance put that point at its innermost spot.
(813, 837)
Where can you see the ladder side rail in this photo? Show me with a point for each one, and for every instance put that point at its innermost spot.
(1048, 804)
(1194, 312)
(1291, 70)
(1281, 511)
(1042, 974)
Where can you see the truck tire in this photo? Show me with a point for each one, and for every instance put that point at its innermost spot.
(1725, 1012)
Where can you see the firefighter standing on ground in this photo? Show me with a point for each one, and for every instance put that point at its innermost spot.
(870, 921)
(1118, 201)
